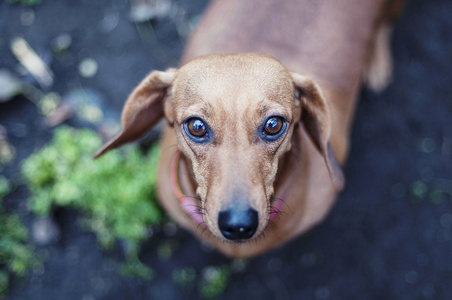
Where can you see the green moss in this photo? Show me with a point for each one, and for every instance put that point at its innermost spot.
(184, 277)
(116, 193)
(4, 187)
(26, 2)
(211, 283)
(16, 257)
(215, 280)
(419, 189)
(436, 191)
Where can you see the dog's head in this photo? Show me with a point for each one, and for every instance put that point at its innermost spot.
(233, 116)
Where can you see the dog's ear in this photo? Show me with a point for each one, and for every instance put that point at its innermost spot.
(143, 109)
(316, 119)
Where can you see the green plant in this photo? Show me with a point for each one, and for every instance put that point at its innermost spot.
(16, 257)
(115, 193)
(26, 2)
(212, 282)
(184, 277)
(215, 280)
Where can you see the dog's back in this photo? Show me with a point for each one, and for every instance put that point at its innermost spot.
(328, 40)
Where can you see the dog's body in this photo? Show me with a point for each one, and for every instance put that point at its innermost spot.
(215, 104)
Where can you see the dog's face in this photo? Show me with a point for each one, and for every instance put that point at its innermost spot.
(233, 116)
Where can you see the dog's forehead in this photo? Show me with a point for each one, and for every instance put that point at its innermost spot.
(233, 77)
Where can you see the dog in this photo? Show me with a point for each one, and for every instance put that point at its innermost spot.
(259, 115)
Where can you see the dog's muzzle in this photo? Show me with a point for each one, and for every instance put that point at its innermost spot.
(236, 224)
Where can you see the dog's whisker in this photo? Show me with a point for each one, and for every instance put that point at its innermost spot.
(285, 203)
(205, 230)
(272, 225)
(188, 196)
(195, 212)
(191, 205)
(200, 224)
(274, 210)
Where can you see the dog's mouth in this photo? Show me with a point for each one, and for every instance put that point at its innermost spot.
(239, 229)
(240, 225)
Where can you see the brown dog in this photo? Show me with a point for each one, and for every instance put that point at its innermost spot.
(247, 138)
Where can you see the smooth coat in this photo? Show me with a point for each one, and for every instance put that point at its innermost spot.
(300, 59)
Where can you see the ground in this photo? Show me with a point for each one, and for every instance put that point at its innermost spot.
(389, 236)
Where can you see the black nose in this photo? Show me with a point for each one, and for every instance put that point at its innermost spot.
(238, 224)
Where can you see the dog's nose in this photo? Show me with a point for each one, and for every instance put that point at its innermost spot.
(237, 224)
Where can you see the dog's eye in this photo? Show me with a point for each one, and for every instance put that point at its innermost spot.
(273, 128)
(196, 127)
(273, 125)
(197, 130)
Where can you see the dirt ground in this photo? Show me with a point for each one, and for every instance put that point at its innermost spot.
(389, 236)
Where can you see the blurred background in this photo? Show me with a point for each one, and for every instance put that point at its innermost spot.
(71, 64)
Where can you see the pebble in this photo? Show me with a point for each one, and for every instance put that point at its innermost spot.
(411, 277)
(45, 231)
(419, 189)
(7, 152)
(427, 145)
(86, 103)
(239, 265)
(27, 17)
(19, 130)
(446, 220)
(110, 21)
(88, 67)
(61, 43)
(10, 85)
(148, 10)
(308, 259)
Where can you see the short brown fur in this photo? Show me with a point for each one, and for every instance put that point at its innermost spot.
(327, 40)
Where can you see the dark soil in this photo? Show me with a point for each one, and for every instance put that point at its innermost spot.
(380, 241)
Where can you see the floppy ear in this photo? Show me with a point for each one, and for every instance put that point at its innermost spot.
(315, 117)
(143, 109)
